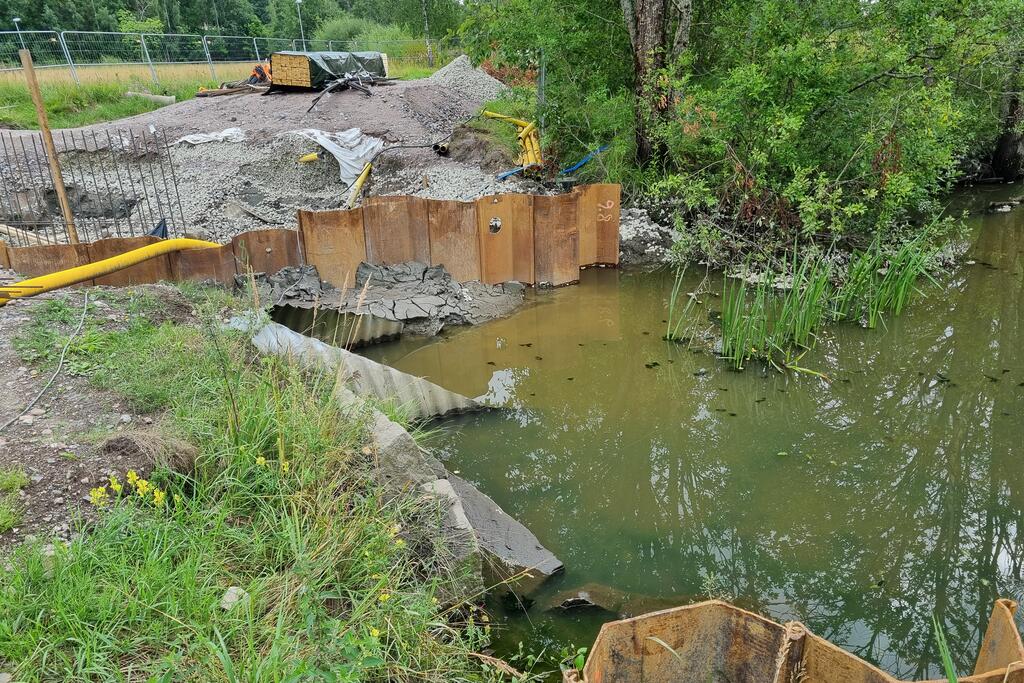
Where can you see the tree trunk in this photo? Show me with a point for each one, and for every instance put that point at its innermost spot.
(426, 34)
(1008, 156)
(684, 21)
(645, 20)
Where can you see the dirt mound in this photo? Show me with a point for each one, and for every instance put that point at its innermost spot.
(226, 188)
(151, 450)
(476, 147)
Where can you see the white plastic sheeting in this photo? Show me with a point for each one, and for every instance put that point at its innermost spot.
(350, 147)
(226, 135)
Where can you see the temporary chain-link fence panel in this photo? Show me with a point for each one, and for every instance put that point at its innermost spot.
(100, 55)
(45, 46)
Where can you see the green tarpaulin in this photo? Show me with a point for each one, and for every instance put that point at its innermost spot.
(327, 66)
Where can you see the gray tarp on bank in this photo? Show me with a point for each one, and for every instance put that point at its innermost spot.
(327, 66)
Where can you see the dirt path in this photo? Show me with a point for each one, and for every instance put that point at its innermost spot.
(56, 444)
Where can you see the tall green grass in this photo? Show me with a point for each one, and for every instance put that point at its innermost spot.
(745, 324)
(877, 284)
(69, 105)
(344, 583)
(948, 668)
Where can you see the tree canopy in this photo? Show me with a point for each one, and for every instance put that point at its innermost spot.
(277, 18)
(829, 116)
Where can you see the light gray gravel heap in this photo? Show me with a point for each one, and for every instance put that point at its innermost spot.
(643, 241)
(228, 188)
(452, 180)
(460, 77)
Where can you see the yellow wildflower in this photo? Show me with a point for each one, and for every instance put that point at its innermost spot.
(143, 487)
(399, 542)
(177, 499)
(374, 633)
(376, 577)
(132, 477)
(115, 484)
(384, 597)
(395, 529)
(158, 497)
(261, 461)
(98, 496)
(285, 465)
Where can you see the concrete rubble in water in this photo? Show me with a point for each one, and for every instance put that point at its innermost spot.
(428, 298)
(424, 299)
(479, 534)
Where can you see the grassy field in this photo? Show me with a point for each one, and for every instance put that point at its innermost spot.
(101, 95)
(341, 582)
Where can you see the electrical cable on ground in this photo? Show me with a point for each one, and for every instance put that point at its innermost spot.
(60, 365)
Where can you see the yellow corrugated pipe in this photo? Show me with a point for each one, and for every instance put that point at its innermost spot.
(357, 186)
(72, 276)
(529, 140)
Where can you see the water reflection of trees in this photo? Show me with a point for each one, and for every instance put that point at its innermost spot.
(900, 494)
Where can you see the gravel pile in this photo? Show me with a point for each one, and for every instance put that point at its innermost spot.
(230, 187)
(453, 180)
(643, 241)
(460, 76)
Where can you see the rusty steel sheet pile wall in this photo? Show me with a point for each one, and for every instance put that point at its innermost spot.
(715, 640)
(533, 239)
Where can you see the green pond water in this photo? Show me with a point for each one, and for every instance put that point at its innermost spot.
(857, 506)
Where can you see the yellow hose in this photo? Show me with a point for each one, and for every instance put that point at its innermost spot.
(72, 276)
(357, 186)
(519, 123)
(529, 140)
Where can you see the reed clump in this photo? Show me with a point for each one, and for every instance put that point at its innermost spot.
(766, 320)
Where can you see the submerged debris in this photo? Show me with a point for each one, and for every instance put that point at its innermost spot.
(427, 299)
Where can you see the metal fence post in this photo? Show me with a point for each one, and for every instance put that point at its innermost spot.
(206, 50)
(256, 48)
(542, 91)
(67, 56)
(145, 56)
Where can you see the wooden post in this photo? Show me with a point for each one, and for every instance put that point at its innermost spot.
(51, 151)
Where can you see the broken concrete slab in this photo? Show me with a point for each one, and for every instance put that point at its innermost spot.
(427, 299)
(515, 557)
(511, 554)
(461, 541)
(422, 299)
(399, 459)
(290, 284)
(420, 398)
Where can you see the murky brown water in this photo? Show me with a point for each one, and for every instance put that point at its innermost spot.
(857, 506)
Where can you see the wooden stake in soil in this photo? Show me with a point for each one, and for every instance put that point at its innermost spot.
(51, 151)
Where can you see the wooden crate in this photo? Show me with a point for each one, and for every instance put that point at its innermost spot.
(290, 70)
